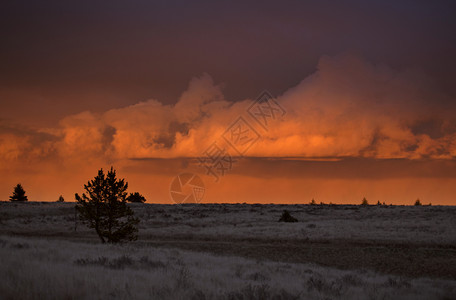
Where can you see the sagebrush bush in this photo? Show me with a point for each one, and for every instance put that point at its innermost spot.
(286, 217)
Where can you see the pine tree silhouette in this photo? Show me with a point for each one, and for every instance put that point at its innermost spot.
(18, 194)
(104, 208)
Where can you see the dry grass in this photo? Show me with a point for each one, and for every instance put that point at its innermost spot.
(37, 269)
(417, 224)
(72, 265)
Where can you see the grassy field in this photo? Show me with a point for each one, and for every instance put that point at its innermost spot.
(221, 251)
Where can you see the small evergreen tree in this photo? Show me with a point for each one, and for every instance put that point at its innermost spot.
(417, 202)
(61, 199)
(105, 209)
(136, 198)
(312, 202)
(18, 194)
(364, 202)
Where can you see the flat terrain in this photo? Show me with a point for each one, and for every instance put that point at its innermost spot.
(405, 244)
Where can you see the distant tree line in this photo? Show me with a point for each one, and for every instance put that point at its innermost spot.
(364, 202)
(103, 207)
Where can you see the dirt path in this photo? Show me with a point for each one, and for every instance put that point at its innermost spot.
(411, 260)
(390, 258)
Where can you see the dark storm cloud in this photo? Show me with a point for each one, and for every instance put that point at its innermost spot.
(74, 55)
(347, 168)
(168, 139)
(296, 168)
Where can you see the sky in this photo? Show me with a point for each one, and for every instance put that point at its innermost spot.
(362, 98)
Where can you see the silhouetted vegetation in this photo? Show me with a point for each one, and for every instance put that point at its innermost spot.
(18, 194)
(105, 209)
(417, 202)
(286, 217)
(136, 198)
(312, 202)
(61, 199)
(364, 202)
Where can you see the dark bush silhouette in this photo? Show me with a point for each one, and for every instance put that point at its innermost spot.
(18, 194)
(364, 202)
(417, 202)
(312, 202)
(105, 209)
(136, 198)
(286, 217)
(61, 199)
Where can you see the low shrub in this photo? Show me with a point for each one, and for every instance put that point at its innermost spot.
(286, 217)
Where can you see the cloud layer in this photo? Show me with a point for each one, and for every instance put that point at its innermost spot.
(352, 129)
(348, 108)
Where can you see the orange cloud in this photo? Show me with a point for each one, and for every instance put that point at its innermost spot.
(347, 108)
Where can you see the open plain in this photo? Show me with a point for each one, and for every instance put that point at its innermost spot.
(232, 251)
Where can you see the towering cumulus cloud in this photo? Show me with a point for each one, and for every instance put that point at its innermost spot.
(348, 108)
